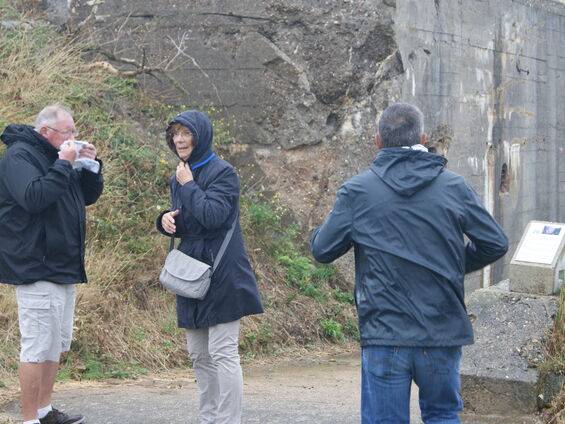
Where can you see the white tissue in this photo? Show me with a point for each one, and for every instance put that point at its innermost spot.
(82, 163)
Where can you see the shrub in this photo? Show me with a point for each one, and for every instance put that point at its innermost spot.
(333, 330)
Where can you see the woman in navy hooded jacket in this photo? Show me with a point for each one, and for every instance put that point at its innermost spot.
(205, 203)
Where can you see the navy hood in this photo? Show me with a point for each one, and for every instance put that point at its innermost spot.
(407, 171)
(27, 134)
(199, 125)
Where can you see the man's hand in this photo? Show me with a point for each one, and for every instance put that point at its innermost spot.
(88, 151)
(184, 174)
(168, 221)
(68, 152)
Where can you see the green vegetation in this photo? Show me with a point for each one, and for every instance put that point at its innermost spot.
(555, 361)
(259, 339)
(125, 323)
(343, 297)
(283, 244)
(296, 292)
(332, 329)
(97, 369)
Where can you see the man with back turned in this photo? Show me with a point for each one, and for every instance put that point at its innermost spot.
(406, 218)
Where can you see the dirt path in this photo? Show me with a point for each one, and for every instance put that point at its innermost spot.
(312, 390)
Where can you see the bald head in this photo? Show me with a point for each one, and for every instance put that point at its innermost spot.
(56, 124)
(51, 114)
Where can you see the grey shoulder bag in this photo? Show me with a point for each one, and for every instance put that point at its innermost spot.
(189, 277)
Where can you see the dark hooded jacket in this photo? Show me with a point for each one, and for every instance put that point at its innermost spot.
(209, 204)
(42, 211)
(406, 218)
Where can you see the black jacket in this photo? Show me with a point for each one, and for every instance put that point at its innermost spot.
(42, 211)
(406, 218)
(209, 204)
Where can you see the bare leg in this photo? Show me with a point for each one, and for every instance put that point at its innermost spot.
(30, 380)
(36, 383)
(49, 372)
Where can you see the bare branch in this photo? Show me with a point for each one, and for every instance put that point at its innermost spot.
(180, 50)
(114, 59)
(108, 67)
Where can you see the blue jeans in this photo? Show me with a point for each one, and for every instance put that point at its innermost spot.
(387, 374)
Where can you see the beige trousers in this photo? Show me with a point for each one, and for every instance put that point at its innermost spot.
(215, 360)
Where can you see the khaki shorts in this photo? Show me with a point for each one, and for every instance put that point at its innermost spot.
(45, 312)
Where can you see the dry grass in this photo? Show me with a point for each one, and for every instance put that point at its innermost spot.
(123, 315)
(39, 68)
(557, 343)
(557, 412)
(9, 336)
(555, 362)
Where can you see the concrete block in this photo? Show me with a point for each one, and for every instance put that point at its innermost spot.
(498, 372)
(532, 278)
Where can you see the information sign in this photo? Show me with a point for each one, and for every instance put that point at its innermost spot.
(541, 243)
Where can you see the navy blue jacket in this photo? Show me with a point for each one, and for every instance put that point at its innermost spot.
(209, 204)
(42, 211)
(406, 218)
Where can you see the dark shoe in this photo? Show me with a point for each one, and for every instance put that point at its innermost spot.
(57, 417)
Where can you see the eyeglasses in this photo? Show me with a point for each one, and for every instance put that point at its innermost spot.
(73, 131)
(182, 134)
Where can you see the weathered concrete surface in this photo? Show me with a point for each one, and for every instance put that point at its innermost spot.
(498, 372)
(324, 391)
(305, 81)
(257, 58)
(533, 278)
(491, 71)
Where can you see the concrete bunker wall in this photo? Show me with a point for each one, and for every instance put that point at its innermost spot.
(305, 81)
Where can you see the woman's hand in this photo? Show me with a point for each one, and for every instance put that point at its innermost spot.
(184, 174)
(168, 221)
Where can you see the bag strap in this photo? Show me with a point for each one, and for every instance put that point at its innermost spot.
(223, 247)
(225, 243)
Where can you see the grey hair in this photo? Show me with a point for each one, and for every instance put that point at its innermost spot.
(50, 115)
(401, 124)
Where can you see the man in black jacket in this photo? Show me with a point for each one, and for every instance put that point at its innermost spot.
(406, 218)
(43, 194)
